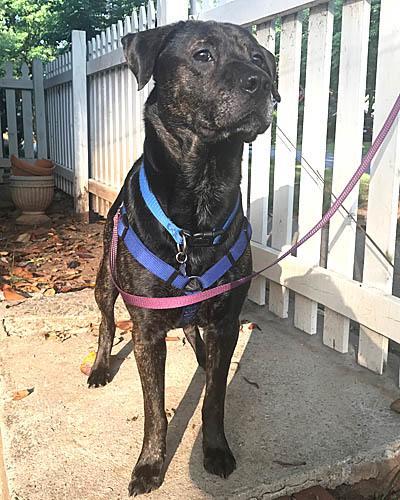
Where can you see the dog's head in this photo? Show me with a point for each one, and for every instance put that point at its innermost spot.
(213, 78)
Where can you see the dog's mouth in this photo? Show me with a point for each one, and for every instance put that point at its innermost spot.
(247, 127)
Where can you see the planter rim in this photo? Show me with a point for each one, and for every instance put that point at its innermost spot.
(31, 177)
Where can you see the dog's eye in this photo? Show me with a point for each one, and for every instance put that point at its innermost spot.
(203, 55)
(257, 59)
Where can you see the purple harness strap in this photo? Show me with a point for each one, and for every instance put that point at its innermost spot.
(187, 300)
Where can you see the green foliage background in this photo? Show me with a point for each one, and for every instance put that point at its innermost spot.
(42, 28)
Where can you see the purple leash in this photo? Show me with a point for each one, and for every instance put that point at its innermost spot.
(187, 300)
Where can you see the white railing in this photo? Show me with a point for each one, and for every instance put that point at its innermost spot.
(115, 132)
(370, 303)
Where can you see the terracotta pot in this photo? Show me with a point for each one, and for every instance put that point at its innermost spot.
(32, 194)
(22, 167)
(44, 163)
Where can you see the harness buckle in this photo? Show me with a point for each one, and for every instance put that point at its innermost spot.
(200, 240)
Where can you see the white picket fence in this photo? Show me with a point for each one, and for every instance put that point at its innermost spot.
(24, 133)
(95, 133)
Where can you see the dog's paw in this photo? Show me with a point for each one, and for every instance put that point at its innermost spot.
(99, 376)
(219, 461)
(145, 478)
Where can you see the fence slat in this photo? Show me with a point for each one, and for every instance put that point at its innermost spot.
(11, 114)
(348, 149)
(151, 14)
(41, 135)
(171, 12)
(80, 121)
(384, 184)
(316, 100)
(245, 177)
(260, 170)
(27, 115)
(285, 155)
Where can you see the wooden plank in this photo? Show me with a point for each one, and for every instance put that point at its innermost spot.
(244, 186)
(151, 14)
(40, 110)
(348, 148)
(102, 190)
(124, 117)
(260, 171)
(260, 159)
(110, 125)
(240, 12)
(63, 130)
(116, 116)
(81, 197)
(57, 80)
(11, 114)
(70, 123)
(106, 61)
(360, 302)
(64, 172)
(171, 12)
(316, 100)
(12, 83)
(384, 183)
(27, 122)
(285, 154)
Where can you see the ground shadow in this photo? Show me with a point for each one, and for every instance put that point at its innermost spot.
(117, 359)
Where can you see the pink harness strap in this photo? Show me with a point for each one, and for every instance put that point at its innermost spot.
(187, 300)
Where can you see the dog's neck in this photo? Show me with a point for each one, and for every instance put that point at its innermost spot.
(196, 183)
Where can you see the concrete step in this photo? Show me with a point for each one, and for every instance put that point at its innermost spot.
(298, 414)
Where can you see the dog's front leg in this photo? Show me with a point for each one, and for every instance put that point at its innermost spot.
(150, 359)
(220, 343)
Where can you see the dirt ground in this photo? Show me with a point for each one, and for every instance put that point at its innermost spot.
(60, 257)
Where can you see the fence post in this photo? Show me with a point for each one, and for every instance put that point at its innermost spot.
(80, 120)
(171, 12)
(40, 110)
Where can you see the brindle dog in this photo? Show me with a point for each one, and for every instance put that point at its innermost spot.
(212, 92)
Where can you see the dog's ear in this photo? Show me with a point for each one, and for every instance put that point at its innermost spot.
(272, 68)
(142, 49)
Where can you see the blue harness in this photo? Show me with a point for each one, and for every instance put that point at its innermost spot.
(178, 277)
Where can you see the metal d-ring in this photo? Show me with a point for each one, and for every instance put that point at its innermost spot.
(181, 256)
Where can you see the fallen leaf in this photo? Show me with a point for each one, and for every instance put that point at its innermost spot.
(288, 464)
(22, 273)
(125, 324)
(11, 295)
(3, 254)
(73, 264)
(251, 382)
(49, 292)
(23, 238)
(84, 255)
(22, 394)
(395, 406)
(248, 326)
(87, 363)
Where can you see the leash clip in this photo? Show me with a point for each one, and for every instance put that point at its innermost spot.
(181, 256)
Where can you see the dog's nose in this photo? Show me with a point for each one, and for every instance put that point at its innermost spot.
(250, 83)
